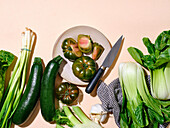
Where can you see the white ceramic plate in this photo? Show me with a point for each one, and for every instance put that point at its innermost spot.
(66, 70)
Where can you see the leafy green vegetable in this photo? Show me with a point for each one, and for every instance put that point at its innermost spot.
(61, 118)
(149, 45)
(6, 58)
(136, 54)
(157, 62)
(139, 108)
(162, 40)
(128, 80)
(144, 92)
(59, 126)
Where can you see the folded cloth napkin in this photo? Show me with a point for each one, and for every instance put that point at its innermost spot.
(111, 98)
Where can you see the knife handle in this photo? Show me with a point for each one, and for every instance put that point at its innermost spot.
(94, 80)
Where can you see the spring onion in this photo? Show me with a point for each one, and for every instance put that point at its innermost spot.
(157, 62)
(17, 81)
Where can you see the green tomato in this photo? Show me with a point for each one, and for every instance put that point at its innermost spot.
(67, 92)
(84, 68)
(70, 49)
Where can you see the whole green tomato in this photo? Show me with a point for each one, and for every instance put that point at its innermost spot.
(67, 92)
(70, 49)
(84, 68)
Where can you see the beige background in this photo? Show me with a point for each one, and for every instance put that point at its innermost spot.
(49, 18)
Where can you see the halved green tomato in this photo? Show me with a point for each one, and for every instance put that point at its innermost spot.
(70, 49)
(97, 51)
(84, 43)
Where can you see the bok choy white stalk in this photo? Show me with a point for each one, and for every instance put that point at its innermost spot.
(17, 81)
(160, 81)
(157, 62)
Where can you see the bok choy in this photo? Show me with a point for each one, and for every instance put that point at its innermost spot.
(133, 111)
(139, 108)
(157, 62)
(17, 81)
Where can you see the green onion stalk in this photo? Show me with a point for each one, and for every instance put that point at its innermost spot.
(17, 81)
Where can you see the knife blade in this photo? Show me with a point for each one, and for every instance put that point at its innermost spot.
(106, 64)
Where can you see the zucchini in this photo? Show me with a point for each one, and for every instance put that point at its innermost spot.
(31, 93)
(47, 92)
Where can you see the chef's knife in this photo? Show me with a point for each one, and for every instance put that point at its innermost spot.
(106, 64)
